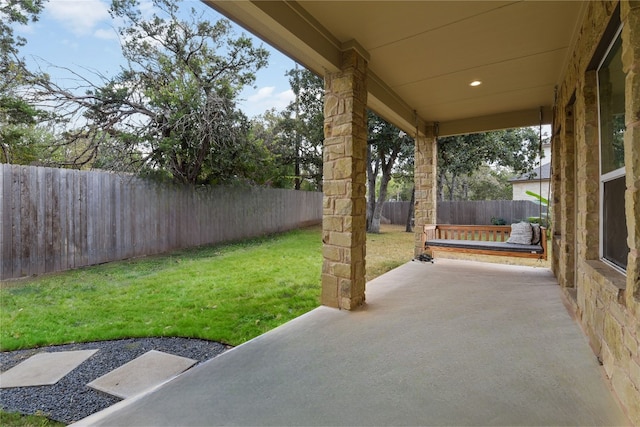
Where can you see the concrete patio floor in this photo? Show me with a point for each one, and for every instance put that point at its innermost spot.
(450, 343)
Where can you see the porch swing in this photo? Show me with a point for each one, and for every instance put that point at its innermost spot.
(498, 240)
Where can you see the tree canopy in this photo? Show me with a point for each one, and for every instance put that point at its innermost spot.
(172, 109)
(302, 128)
(13, 12)
(19, 140)
(387, 147)
(295, 135)
(461, 156)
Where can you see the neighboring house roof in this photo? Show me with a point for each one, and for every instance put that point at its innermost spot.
(544, 170)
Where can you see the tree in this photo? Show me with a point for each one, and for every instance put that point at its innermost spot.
(19, 139)
(172, 108)
(404, 177)
(409, 223)
(266, 130)
(302, 127)
(385, 146)
(295, 136)
(16, 118)
(490, 183)
(14, 12)
(460, 156)
(485, 183)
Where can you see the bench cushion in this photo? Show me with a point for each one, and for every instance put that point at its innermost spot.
(482, 245)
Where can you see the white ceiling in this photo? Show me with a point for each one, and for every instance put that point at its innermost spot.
(423, 54)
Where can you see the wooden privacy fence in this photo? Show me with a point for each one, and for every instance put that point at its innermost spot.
(482, 212)
(59, 219)
(469, 212)
(396, 212)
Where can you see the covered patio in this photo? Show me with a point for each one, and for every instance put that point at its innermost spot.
(440, 68)
(450, 343)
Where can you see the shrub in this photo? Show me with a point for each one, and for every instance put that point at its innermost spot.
(498, 221)
(537, 220)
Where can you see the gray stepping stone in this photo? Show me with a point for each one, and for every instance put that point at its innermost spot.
(43, 368)
(140, 374)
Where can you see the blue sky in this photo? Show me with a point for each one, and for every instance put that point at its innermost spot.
(80, 34)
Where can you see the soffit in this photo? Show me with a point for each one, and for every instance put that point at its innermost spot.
(423, 55)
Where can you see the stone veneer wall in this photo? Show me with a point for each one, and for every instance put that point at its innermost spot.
(606, 302)
(344, 188)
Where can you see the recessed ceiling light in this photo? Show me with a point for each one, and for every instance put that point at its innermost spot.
(475, 83)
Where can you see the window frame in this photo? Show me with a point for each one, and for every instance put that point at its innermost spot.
(611, 175)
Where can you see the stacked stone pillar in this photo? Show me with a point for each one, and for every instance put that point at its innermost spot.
(588, 168)
(344, 187)
(425, 179)
(565, 215)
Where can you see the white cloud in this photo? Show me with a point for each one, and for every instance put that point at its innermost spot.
(285, 97)
(265, 98)
(262, 94)
(106, 34)
(78, 16)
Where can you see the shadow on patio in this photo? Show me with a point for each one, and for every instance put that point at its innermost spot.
(450, 343)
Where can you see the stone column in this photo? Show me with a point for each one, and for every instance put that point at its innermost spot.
(588, 168)
(557, 142)
(556, 201)
(567, 226)
(344, 187)
(425, 179)
(630, 16)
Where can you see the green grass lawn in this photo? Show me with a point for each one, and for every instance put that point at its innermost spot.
(226, 293)
(229, 293)
(9, 419)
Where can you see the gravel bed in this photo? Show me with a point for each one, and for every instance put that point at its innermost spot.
(70, 400)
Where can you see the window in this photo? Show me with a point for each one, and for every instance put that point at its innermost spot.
(611, 102)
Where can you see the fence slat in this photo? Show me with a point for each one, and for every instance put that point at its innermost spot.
(44, 230)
